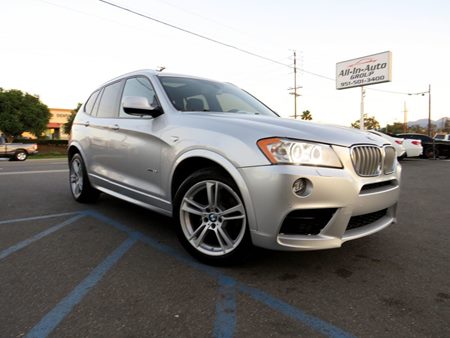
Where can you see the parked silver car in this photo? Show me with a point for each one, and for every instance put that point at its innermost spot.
(228, 169)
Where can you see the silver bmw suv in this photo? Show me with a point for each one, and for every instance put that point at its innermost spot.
(229, 170)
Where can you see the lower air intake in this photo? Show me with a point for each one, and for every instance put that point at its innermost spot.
(306, 222)
(362, 220)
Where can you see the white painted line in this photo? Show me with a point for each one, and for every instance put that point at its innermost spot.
(35, 172)
(35, 218)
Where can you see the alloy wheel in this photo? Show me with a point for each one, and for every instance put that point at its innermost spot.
(213, 218)
(76, 177)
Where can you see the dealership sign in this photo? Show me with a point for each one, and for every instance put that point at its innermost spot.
(367, 70)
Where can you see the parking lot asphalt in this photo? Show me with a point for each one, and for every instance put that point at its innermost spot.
(112, 269)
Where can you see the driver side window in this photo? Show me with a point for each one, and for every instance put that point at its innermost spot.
(138, 86)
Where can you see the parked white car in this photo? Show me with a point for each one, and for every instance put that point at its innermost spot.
(413, 147)
(397, 142)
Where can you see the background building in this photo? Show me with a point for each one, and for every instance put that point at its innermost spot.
(55, 128)
(55, 125)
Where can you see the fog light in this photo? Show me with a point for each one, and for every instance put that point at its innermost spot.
(302, 187)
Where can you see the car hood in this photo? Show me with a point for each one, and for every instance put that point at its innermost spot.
(257, 127)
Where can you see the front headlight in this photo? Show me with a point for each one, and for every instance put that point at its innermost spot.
(286, 151)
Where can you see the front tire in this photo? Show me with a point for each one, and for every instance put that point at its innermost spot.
(211, 218)
(20, 155)
(81, 188)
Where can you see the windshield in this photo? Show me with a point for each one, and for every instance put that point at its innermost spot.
(187, 94)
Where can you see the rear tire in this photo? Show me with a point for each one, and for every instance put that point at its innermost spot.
(80, 187)
(211, 218)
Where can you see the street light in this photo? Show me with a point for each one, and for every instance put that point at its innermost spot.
(429, 106)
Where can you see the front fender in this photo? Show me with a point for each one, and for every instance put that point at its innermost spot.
(232, 171)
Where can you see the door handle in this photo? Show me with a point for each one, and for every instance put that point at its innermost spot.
(114, 127)
(86, 124)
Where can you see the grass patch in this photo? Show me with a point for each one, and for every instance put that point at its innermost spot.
(47, 155)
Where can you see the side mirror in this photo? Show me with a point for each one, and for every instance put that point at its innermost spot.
(139, 105)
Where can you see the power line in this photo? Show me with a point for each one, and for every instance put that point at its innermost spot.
(196, 34)
(242, 50)
(388, 91)
(219, 42)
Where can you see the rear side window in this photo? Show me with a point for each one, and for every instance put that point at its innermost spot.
(109, 102)
(138, 86)
(90, 102)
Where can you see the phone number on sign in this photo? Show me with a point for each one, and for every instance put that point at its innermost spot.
(362, 81)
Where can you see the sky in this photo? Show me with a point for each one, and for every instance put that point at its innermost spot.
(62, 50)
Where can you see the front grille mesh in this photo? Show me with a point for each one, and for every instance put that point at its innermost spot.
(389, 160)
(367, 160)
(372, 161)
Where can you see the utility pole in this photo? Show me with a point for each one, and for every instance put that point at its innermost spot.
(429, 106)
(294, 92)
(405, 117)
(429, 110)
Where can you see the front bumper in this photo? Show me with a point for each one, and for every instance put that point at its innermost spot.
(350, 196)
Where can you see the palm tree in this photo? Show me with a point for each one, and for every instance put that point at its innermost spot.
(306, 115)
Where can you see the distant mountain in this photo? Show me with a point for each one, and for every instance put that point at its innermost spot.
(424, 122)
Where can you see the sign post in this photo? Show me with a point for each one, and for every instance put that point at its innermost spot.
(361, 118)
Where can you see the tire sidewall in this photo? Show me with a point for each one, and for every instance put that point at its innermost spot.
(88, 193)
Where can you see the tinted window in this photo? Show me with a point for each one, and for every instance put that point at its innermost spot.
(97, 102)
(190, 94)
(90, 102)
(423, 138)
(109, 102)
(138, 86)
(232, 103)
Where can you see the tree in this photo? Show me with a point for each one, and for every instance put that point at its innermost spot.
(306, 115)
(369, 123)
(446, 125)
(20, 112)
(67, 127)
(395, 128)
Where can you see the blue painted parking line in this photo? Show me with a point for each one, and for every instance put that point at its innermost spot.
(226, 281)
(225, 324)
(226, 319)
(5, 253)
(52, 319)
(179, 255)
(293, 312)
